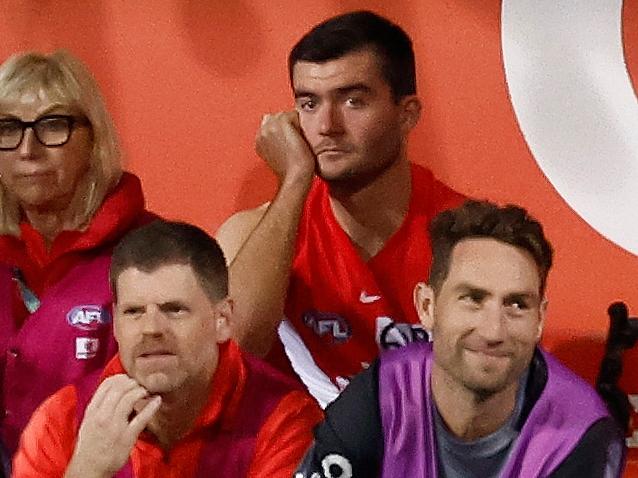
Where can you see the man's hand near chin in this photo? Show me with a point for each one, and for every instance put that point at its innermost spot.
(108, 433)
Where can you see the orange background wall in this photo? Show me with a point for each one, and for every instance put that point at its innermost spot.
(188, 81)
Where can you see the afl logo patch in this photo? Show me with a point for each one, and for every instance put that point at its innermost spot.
(328, 324)
(88, 317)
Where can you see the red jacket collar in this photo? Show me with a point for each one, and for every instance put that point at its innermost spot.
(226, 389)
(118, 213)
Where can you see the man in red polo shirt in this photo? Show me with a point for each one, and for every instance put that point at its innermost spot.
(179, 399)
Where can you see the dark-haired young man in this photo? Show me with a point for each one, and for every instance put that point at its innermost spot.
(482, 400)
(178, 400)
(343, 242)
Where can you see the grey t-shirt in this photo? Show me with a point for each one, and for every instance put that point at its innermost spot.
(482, 458)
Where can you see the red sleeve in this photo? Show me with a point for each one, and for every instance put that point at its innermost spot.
(47, 443)
(285, 437)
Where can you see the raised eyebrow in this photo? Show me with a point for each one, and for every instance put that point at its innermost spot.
(304, 94)
(126, 306)
(342, 90)
(464, 287)
(172, 304)
(356, 88)
(526, 296)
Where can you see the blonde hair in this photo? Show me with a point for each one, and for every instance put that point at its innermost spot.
(65, 79)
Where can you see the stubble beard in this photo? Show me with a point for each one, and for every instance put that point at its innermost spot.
(469, 378)
(359, 176)
(484, 391)
(160, 383)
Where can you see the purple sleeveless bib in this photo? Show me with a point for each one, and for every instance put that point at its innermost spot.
(227, 453)
(68, 337)
(565, 410)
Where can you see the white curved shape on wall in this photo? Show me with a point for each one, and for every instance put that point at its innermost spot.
(576, 106)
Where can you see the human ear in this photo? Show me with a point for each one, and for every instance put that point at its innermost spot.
(410, 112)
(223, 319)
(542, 311)
(423, 297)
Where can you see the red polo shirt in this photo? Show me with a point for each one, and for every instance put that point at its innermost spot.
(48, 441)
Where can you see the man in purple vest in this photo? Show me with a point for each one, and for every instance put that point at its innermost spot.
(178, 399)
(483, 400)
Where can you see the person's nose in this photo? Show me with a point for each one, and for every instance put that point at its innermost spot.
(493, 323)
(330, 120)
(154, 321)
(29, 147)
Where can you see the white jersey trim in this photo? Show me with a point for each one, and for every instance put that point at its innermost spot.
(316, 381)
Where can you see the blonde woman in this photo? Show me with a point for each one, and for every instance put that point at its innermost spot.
(64, 204)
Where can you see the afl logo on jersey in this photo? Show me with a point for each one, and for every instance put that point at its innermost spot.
(328, 323)
(88, 317)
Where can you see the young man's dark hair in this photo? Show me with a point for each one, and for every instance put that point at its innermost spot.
(164, 242)
(357, 31)
(509, 224)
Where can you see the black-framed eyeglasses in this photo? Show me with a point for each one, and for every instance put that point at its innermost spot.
(50, 130)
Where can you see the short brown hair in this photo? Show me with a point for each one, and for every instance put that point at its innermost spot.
(475, 219)
(162, 243)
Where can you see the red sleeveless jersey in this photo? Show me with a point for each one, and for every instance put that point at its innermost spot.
(340, 309)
